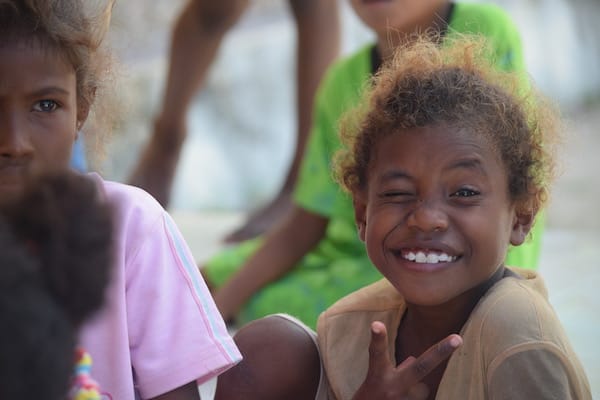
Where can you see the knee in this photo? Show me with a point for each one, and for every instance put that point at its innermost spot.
(280, 361)
(216, 16)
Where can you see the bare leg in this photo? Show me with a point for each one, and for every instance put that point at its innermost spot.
(318, 32)
(195, 40)
(281, 361)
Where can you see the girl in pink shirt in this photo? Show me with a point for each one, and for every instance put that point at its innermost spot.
(159, 333)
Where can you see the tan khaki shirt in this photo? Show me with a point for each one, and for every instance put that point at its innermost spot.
(514, 346)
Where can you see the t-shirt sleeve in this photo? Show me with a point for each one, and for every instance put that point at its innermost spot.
(538, 372)
(507, 44)
(176, 333)
(497, 26)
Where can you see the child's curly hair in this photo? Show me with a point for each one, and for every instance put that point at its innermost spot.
(56, 252)
(455, 84)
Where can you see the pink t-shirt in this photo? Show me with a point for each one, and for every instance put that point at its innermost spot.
(159, 328)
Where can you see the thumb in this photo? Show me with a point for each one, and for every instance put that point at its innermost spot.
(379, 358)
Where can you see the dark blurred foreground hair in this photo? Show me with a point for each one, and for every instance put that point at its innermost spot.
(55, 257)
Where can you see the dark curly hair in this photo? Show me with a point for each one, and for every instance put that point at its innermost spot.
(56, 252)
(454, 84)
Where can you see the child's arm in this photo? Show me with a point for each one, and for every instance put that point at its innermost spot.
(318, 36)
(185, 392)
(295, 236)
(318, 30)
(385, 381)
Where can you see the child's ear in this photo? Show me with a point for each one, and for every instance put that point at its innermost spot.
(83, 107)
(522, 224)
(82, 114)
(360, 215)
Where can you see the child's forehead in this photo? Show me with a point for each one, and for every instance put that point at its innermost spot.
(36, 47)
(455, 132)
(435, 151)
(436, 140)
(26, 70)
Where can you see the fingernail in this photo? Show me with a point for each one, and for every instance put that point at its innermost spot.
(376, 328)
(455, 341)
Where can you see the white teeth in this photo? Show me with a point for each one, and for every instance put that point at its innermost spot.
(429, 258)
(432, 258)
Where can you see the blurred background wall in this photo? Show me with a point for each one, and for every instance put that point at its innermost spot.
(241, 128)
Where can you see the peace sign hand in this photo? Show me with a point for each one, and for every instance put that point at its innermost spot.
(403, 382)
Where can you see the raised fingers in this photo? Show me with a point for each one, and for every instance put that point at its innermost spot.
(417, 369)
(379, 359)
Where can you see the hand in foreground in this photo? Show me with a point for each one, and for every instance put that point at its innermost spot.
(386, 381)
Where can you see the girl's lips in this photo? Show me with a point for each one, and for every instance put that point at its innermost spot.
(10, 173)
(422, 256)
(12, 176)
(376, 1)
(426, 257)
(425, 265)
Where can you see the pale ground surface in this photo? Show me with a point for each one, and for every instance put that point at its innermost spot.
(570, 260)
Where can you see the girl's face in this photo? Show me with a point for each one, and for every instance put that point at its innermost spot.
(436, 216)
(38, 114)
(386, 17)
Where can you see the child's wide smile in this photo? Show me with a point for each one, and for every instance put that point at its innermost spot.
(431, 195)
(426, 256)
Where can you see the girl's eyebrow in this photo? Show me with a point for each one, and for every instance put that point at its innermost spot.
(470, 163)
(50, 90)
(394, 174)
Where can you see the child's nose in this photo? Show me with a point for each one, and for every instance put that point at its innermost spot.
(427, 216)
(14, 139)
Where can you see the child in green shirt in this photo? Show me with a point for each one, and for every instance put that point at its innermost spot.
(314, 256)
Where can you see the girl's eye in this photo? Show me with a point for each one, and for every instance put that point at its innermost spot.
(396, 196)
(465, 192)
(45, 106)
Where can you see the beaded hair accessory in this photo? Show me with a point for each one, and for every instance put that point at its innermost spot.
(83, 386)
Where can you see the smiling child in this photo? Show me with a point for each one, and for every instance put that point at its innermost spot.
(314, 256)
(447, 166)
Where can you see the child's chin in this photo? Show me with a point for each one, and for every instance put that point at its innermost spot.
(426, 297)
